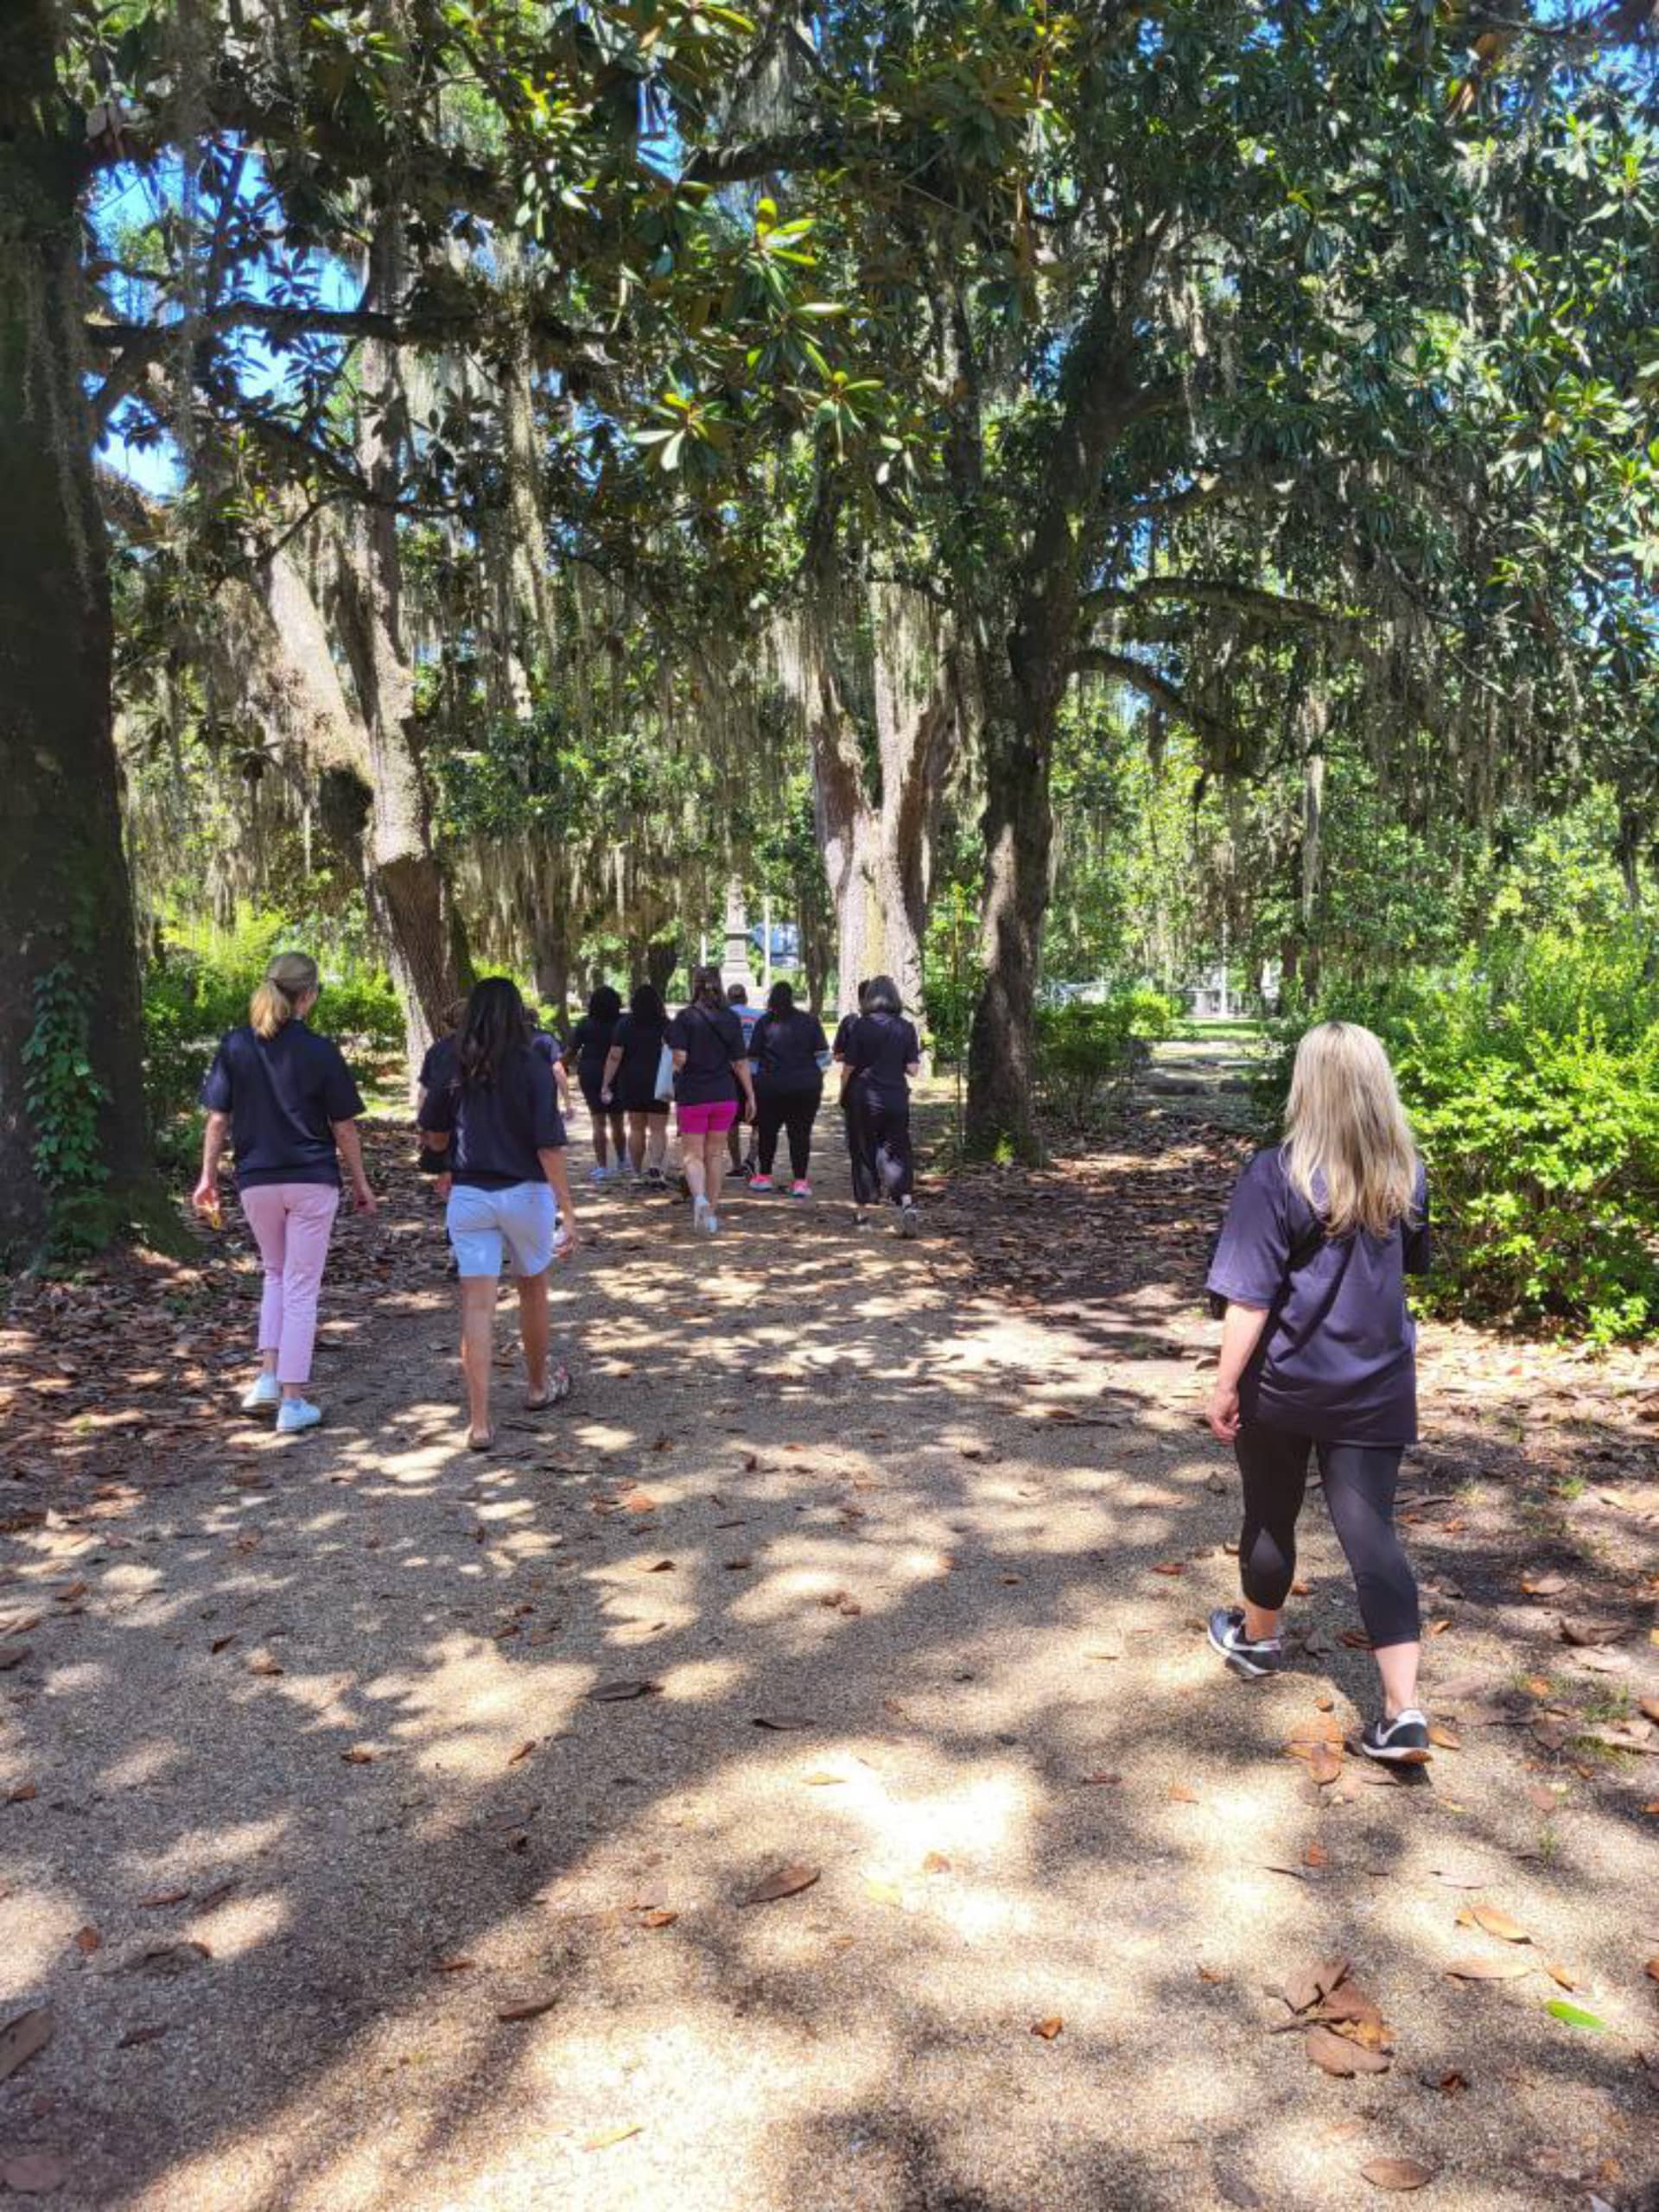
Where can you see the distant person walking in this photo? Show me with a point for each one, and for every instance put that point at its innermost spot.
(630, 1081)
(880, 1053)
(742, 1155)
(1319, 1355)
(591, 1042)
(496, 1136)
(711, 1078)
(788, 1054)
(285, 1098)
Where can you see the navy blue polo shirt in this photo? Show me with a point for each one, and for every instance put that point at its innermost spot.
(498, 1128)
(880, 1049)
(282, 1094)
(785, 1049)
(712, 1039)
(1336, 1360)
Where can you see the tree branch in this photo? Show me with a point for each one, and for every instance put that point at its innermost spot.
(1096, 660)
(1213, 591)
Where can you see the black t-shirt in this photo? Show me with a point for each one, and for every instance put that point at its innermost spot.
(497, 1128)
(282, 1093)
(640, 1042)
(712, 1039)
(591, 1040)
(879, 1048)
(784, 1050)
(434, 1060)
(546, 1046)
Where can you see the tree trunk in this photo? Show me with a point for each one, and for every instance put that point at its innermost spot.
(1018, 832)
(65, 904)
(660, 961)
(409, 889)
(915, 717)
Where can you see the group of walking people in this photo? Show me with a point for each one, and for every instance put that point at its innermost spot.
(1317, 1348)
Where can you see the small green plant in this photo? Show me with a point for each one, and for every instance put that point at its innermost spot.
(63, 1097)
(1088, 1051)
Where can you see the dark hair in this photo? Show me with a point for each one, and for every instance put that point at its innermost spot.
(780, 1001)
(864, 993)
(881, 996)
(738, 994)
(454, 1015)
(495, 1027)
(605, 1003)
(646, 1005)
(707, 990)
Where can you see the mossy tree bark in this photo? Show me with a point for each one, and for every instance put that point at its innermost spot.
(65, 897)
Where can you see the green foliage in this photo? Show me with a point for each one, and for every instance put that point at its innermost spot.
(1531, 1072)
(1087, 1052)
(193, 995)
(63, 1097)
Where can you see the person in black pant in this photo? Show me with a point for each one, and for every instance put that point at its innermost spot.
(880, 1051)
(1319, 1358)
(591, 1041)
(630, 1081)
(788, 1053)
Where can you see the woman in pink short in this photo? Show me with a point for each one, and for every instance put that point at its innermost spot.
(711, 1081)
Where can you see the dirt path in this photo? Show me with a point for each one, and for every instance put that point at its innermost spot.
(911, 1543)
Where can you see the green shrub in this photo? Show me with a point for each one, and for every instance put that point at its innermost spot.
(1531, 1073)
(1088, 1051)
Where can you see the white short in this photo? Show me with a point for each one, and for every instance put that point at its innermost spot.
(521, 1217)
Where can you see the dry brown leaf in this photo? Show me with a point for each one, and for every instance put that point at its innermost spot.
(360, 1755)
(1564, 1975)
(1047, 2029)
(661, 1566)
(523, 1752)
(1310, 1986)
(24, 1794)
(264, 1666)
(823, 1781)
(87, 1940)
(1316, 1855)
(165, 1896)
(22, 2036)
(1543, 1585)
(1325, 1763)
(452, 1965)
(527, 2008)
(659, 1917)
(1444, 1737)
(1316, 1728)
(34, 2173)
(1178, 1794)
(1652, 1969)
(619, 1693)
(1495, 1923)
(780, 1721)
(936, 1863)
(1335, 2054)
(1171, 1566)
(785, 1882)
(610, 2136)
(1102, 1778)
(1488, 1966)
(1396, 2173)
(1650, 1707)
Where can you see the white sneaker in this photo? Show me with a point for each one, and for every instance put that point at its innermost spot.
(266, 1392)
(704, 1218)
(298, 1414)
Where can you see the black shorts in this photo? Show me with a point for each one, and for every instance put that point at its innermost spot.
(639, 1101)
(592, 1085)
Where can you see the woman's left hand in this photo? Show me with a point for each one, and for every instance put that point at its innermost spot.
(363, 1198)
(1222, 1411)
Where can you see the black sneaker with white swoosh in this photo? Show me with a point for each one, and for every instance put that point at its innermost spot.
(1244, 1656)
(1403, 1741)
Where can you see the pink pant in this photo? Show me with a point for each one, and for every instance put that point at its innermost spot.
(291, 1223)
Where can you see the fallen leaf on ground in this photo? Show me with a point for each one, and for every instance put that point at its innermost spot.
(1310, 1985)
(527, 2008)
(360, 1755)
(24, 1794)
(152, 2031)
(1103, 1779)
(780, 1721)
(1444, 1737)
(785, 1882)
(265, 1667)
(1488, 1966)
(1574, 2016)
(823, 1781)
(1464, 1874)
(1178, 1794)
(34, 2173)
(1494, 1921)
(659, 1917)
(1650, 1705)
(610, 2136)
(617, 1693)
(165, 1896)
(1315, 1855)
(661, 1566)
(1543, 1585)
(24, 2034)
(1335, 2054)
(1451, 2084)
(451, 1966)
(1110, 1646)
(1316, 1728)
(1564, 1975)
(1047, 2029)
(523, 1752)
(1652, 1969)
(936, 1863)
(87, 1940)
(1395, 2173)
(881, 1891)
(1171, 1566)
(1325, 1763)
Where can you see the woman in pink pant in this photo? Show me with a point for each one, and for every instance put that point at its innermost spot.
(711, 1086)
(285, 1098)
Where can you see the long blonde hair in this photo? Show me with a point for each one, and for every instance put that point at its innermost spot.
(1347, 1132)
(290, 978)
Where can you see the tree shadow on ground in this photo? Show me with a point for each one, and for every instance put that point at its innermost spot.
(879, 1535)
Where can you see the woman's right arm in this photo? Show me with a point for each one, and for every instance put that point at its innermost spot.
(1241, 1332)
(205, 1197)
(613, 1061)
(351, 1151)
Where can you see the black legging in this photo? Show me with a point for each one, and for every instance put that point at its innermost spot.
(1360, 1480)
(877, 1143)
(794, 1111)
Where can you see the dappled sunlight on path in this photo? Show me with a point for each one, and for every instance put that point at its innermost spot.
(386, 1817)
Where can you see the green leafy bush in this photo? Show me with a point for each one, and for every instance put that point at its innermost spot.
(1088, 1050)
(192, 996)
(1531, 1073)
